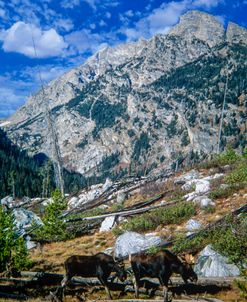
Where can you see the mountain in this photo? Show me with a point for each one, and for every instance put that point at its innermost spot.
(19, 174)
(154, 103)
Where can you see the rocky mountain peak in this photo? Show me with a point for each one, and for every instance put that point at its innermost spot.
(201, 25)
(236, 33)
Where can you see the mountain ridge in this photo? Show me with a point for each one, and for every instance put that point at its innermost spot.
(121, 112)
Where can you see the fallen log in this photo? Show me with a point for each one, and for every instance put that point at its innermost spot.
(124, 213)
(19, 297)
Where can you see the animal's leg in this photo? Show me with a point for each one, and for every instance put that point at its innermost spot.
(164, 282)
(104, 282)
(136, 282)
(165, 292)
(65, 281)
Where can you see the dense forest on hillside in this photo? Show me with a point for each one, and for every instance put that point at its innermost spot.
(20, 174)
(23, 175)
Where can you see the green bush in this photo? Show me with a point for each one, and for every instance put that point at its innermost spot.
(13, 251)
(238, 175)
(227, 158)
(229, 239)
(162, 216)
(54, 228)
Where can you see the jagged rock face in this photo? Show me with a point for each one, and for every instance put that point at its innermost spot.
(139, 106)
(200, 25)
(236, 33)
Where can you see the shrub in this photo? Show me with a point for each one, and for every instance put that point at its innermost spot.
(228, 157)
(13, 251)
(238, 175)
(54, 228)
(229, 239)
(161, 216)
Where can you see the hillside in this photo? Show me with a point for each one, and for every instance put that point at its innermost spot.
(226, 177)
(19, 174)
(145, 106)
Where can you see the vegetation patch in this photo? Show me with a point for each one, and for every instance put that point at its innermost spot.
(229, 239)
(54, 227)
(162, 216)
(13, 251)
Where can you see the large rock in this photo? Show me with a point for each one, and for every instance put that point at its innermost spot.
(24, 219)
(193, 225)
(131, 242)
(193, 174)
(212, 264)
(107, 224)
(86, 196)
(8, 201)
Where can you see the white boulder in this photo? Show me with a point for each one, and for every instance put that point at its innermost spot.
(121, 197)
(24, 219)
(204, 201)
(107, 224)
(193, 225)
(131, 242)
(193, 174)
(212, 264)
(8, 201)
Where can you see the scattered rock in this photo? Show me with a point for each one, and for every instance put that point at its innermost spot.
(109, 251)
(204, 201)
(87, 196)
(103, 206)
(107, 224)
(193, 225)
(29, 243)
(131, 242)
(121, 197)
(8, 201)
(24, 219)
(193, 174)
(212, 264)
(201, 186)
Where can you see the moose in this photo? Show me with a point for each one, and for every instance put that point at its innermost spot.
(160, 265)
(99, 265)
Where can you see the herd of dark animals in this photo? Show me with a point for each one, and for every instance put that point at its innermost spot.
(160, 265)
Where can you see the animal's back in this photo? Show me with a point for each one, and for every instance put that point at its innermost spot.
(78, 265)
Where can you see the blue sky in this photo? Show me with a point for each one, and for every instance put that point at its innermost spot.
(67, 32)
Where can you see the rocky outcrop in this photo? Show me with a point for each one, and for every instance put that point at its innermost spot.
(212, 264)
(236, 33)
(204, 27)
(131, 243)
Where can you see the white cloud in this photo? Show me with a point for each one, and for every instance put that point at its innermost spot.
(102, 23)
(108, 15)
(2, 13)
(64, 24)
(12, 95)
(18, 38)
(70, 4)
(84, 41)
(208, 4)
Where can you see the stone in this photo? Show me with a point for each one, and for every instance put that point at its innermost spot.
(121, 197)
(23, 220)
(8, 201)
(29, 243)
(107, 224)
(132, 242)
(212, 264)
(204, 201)
(193, 225)
(193, 174)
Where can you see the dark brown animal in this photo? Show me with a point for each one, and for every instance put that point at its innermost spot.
(100, 265)
(160, 265)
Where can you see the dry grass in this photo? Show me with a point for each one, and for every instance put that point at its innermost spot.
(52, 256)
